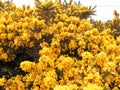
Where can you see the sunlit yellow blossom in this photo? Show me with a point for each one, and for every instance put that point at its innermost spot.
(72, 45)
(65, 62)
(25, 37)
(36, 88)
(60, 25)
(49, 82)
(4, 56)
(94, 39)
(87, 56)
(18, 41)
(2, 81)
(56, 46)
(29, 78)
(82, 43)
(31, 44)
(1, 50)
(106, 31)
(95, 31)
(75, 20)
(66, 87)
(101, 58)
(10, 36)
(93, 48)
(110, 67)
(118, 40)
(2, 28)
(45, 51)
(3, 36)
(27, 66)
(44, 44)
(88, 33)
(25, 25)
(79, 51)
(113, 49)
(93, 87)
(11, 44)
(72, 28)
(61, 17)
(10, 28)
(85, 25)
(115, 88)
(47, 61)
(3, 20)
(41, 24)
(27, 19)
(64, 34)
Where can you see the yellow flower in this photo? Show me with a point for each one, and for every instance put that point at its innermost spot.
(25, 25)
(27, 19)
(87, 56)
(1, 50)
(113, 49)
(2, 28)
(92, 87)
(106, 31)
(55, 46)
(115, 88)
(66, 87)
(18, 41)
(95, 31)
(72, 28)
(47, 61)
(2, 81)
(101, 58)
(64, 34)
(60, 25)
(3, 20)
(61, 17)
(82, 44)
(31, 44)
(3, 36)
(79, 51)
(4, 56)
(93, 48)
(85, 25)
(72, 45)
(116, 13)
(25, 37)
(36, 88)
(88, 33)
(27, 66)
(45, 51)
(41, 24)
(110, 66)
(49, 82)
(65, 63)
(75, 20)
(11, 44)
(44, 44)
(10, 28)
(118, 40)
(10, 36)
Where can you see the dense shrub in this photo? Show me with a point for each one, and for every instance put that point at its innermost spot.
(55, 46)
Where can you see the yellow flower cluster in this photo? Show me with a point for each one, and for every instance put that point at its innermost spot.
(74, 52)
(19, 27)
(92, 87)
(2, 81)
(66, 87)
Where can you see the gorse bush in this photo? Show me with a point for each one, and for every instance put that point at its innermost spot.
(55, 46)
